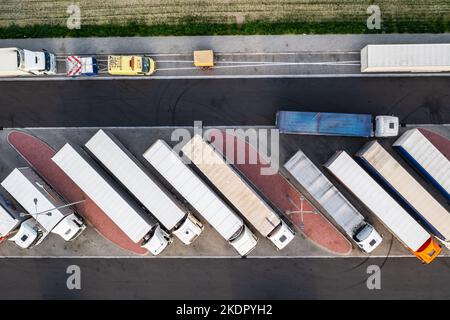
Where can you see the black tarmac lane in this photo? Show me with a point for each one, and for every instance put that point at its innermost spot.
(216, 102)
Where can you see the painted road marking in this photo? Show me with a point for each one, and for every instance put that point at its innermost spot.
(258, 76)
(212, 257)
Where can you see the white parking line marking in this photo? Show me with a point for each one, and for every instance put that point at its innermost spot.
(210, 257)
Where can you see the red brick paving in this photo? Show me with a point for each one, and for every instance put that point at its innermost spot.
(440, 142)
(38, 154)
(287, 199)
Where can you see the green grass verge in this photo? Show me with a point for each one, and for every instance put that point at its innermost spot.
(249, 28)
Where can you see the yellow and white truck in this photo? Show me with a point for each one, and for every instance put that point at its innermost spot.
(130, 65)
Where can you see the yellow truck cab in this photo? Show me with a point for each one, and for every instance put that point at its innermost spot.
(130, 65)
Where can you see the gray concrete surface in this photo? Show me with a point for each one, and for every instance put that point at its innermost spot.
(237, 44)
(188, 279)
(210, 243)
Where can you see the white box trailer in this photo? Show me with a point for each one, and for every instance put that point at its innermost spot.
(333, 202)
(200, 196)
(238, 192)
(407, 230)
(22, 230)
(43, 203)
(149, 192)
(139, 226)
(418, 201)
(406, 58)
(425, 158)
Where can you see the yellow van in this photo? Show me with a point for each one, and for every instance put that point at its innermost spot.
(130, 65)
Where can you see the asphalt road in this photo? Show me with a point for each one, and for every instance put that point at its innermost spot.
(338, 278)
(216, 102)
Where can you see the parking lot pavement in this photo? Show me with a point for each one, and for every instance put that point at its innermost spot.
(137, 140)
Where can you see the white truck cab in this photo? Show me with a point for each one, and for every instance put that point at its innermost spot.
(189, 229)
(157, 241)
(245, 241)
(367, 238)
(70, 227)
(16, 62)
(282, 235)
(386, 126)
(28, 235)
(24, 231)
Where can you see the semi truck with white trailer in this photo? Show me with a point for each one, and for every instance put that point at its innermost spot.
(336, 124)
(406, 58)
(201, 197)
(43, 203)
(238, 192)
(407, 230)
(139, 226)
(426, 159)
(20, 229)
(406, 190)
(20, 62)
(119, 161)
(333, 202)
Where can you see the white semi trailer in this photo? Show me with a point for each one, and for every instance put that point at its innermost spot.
(238, 192)
(406, 58)
(200, 196)
(333, 202)
(43, 203)
(20, 229)
(147, 190)
(19, 62)
(139, 226)
(415, 198)
(407, 230)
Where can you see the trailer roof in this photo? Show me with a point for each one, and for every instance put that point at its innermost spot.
(324, 123)
(407, 187)
(378, 201)
(427, 156)
(126, 168)
(406, 57)
(7, 222)
(193, 189)
(231, 185)
(324, 192)
(35, 196)
(100, 189)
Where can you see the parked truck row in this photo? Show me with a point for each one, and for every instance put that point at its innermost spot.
(407, 191)
(387, 190)
(407, 230)
(332, 202)
(201, 197)
(150, 204)
(238, 192)
(142, 205)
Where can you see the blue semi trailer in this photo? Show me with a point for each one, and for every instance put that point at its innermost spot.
(336, 124)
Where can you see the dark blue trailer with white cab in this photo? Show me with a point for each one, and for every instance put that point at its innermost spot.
(336, 124)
